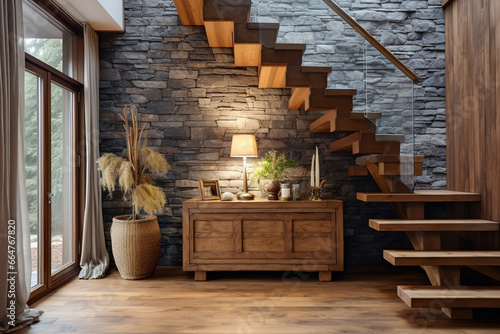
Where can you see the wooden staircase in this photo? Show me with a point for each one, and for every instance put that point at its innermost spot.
(437, 251)
(280, 66)
(227, 24)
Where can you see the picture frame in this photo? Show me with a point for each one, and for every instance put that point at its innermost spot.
(209, 190)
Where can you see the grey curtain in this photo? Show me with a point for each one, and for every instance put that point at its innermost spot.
(95, 257)
(15, 261)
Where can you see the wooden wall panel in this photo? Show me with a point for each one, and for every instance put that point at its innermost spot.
(473, 102)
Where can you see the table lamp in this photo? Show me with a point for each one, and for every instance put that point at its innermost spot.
(244, 146)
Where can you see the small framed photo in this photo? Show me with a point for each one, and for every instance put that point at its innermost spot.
(209, 190)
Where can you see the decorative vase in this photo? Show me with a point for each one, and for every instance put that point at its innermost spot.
(272, 188)
(136, 246)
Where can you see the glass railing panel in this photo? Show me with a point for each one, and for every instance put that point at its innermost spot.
(389, 93)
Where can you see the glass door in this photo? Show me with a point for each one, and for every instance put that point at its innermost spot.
(62, 168)
(51, 108)
(32, 105)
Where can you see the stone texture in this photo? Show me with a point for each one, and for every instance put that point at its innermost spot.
(194, 100)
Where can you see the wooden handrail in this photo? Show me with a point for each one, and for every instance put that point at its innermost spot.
(376, 44)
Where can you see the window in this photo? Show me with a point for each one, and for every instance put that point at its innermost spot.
(51, 137)
(47, 41)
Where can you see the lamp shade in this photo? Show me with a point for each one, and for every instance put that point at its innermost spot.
(244, 146)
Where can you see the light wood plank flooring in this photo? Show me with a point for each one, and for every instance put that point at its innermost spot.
(172, 302)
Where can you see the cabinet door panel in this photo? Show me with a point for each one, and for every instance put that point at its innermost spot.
(213, 244)
(213, 226)
(267, 244)
(263, 226)
(312, 226)
(313, 245)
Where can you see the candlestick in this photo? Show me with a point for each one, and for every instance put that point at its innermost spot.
(316, 174)
(312, 171)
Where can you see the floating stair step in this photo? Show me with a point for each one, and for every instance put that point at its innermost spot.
(272, 75)
(363, 170)
(298, 97)
(247, 54)
(345, 144)
(316, 69)
(421, 196)
(434, 225)
(290, 46)
(457, 297)
(364, 143)
(296, 78)
(337, 92)
(375, 159)
(220, 33)
(390, 137)
(373, 146)
(330, 123)
(442, 258)
(237, 11)
(255, 32)
(292, 57)
(190, 12)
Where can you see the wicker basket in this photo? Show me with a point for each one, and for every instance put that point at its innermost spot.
(136, 246)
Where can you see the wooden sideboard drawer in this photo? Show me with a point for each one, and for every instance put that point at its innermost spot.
(263, 235)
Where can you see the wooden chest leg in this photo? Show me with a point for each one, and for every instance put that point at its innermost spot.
(325, 276)
(200, 275)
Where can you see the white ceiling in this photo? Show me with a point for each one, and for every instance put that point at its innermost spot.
(102, 15)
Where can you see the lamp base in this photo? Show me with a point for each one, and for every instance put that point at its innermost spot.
(245, 196)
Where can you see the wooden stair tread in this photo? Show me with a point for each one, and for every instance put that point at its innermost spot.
(457, 297)
(434, 225)
(390, 137)
(290, 46)
(421, 196)
(315, 69)
(375, 159)
(336, 92)
(260, 26)
(442, 258)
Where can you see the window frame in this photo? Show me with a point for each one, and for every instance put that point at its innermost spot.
(49, 282)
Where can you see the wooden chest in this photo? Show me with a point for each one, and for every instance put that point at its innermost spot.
(263, 235)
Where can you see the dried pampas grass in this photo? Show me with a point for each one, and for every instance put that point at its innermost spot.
(131, 177)
(149, 198)
(126, 177)
(154, 161)
(109, 164)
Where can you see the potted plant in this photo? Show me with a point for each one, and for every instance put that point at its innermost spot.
(272, 167)
(135, 239)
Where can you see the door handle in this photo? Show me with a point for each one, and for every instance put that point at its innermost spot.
(49, 197)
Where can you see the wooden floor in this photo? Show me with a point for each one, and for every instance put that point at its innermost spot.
(172, 302)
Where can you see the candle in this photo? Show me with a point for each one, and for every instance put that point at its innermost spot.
(316, 174)
(312, 171)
